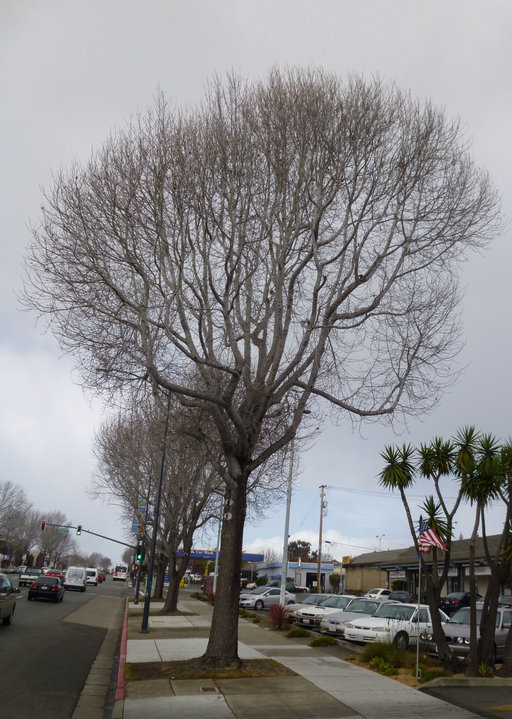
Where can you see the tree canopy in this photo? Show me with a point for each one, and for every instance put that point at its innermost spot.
(289, 242)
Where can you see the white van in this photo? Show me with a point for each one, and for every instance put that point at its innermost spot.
(92, 576)
(76, 578)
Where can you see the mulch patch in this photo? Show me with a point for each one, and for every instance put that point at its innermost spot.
(195, 669)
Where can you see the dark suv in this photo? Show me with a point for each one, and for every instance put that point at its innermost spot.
(7, 599)
(456, 600)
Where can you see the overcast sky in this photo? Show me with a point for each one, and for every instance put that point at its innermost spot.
(72, 71)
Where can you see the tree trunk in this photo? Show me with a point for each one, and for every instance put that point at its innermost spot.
(445, 654)
(222, 649)
(171, 600)
(473, 632)
(488, 621)
(160, 576)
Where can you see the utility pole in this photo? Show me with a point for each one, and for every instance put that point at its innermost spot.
(319, 573)
(284, 565)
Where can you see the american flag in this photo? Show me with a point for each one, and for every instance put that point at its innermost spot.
(428, 538)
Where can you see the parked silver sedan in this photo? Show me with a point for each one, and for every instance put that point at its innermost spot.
(263, 597)
(457, 632)
(313, 615)
(335, 623)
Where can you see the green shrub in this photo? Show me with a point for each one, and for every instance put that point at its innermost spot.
(389, 653)
(256, 619)
(323, 642)
(429, 673)
(381, 665)
(297, 632)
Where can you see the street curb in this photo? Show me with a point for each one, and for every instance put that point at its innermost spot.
(120, 684)
(466, 682)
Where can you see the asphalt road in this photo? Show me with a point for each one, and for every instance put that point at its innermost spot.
(492, 702)
(46, 653)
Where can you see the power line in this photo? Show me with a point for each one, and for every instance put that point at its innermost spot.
(377, 493)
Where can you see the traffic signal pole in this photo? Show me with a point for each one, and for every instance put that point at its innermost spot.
(87, 531)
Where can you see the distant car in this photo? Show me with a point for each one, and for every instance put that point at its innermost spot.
(92, 576)
(29, 575)
(455, 601)
(400, 595)
(7, 599)
(11, 570)
(47, 588)
(55, 573)
(378, 593)
(312, 615)
(76, 578)
(505, 600)
(399, 624)
(457, 631)
(263, 597)
(335, 623)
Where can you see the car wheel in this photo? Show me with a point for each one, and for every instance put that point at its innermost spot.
(401, 641)
(8, 620)
(258, 605)
(29, 598)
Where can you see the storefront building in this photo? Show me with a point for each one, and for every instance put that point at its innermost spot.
(398, 568)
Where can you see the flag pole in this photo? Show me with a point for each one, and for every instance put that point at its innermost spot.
(418, 619)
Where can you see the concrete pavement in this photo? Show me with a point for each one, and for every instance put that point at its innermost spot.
(323, 686)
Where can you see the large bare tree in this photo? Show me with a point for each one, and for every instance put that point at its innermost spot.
(291, 241)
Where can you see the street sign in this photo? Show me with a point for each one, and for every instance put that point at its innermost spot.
(63, 530)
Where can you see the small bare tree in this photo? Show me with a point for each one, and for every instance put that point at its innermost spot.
(289, 242)
(129, 451)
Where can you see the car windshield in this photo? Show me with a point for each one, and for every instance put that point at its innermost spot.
(462, 616)
(339, 602)
(74, 574)
(456, 595)
(363, 606)
(260, 590)
(313, 599)
(395, 611)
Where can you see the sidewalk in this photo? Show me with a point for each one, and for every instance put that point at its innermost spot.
(325, 687)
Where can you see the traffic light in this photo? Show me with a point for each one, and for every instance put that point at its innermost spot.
(79, 530)
(43, 524)
(140, 548)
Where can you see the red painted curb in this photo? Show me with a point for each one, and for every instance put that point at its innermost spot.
(120, 686)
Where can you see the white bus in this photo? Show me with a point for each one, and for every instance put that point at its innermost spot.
(120, 573)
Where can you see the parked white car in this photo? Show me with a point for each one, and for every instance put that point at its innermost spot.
(399, 624)
(264, 597)
(312, 615)
(378, 593)
(335, 623)
(306, 600)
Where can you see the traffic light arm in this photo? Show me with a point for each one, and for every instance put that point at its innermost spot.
(88, 531)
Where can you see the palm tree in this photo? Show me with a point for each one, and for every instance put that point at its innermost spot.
(481, 471)
(398, 473)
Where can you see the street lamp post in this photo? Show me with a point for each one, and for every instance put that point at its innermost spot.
(151, 562)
